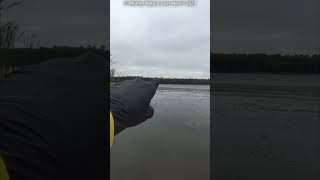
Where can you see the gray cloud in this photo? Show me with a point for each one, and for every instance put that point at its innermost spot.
(63, 22)
(161, 42)
(267, 26)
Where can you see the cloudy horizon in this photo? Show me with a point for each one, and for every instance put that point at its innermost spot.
(170, 42)
(62, 22)
(268, 26)
(174, 41)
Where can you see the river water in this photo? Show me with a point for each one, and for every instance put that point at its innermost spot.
(174, 144)
(266, 126)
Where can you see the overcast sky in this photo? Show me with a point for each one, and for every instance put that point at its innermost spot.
(266, 26)
(63, 22)
(161, 41)
(174, 41)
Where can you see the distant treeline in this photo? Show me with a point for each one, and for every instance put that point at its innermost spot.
(262, 63)
(220, 63)
(25, 56)
(12, 59)
(165, 80)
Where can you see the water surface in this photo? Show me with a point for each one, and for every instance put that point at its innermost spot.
(174, 144)
(266, 126)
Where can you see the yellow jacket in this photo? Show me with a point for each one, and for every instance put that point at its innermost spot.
(3, 170)
(111, 129)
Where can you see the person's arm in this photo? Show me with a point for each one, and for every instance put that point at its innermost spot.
(130, 103)
(53, 119)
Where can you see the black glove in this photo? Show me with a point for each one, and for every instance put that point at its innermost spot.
(130, 102)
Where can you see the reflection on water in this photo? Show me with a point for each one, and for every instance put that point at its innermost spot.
(174, 144)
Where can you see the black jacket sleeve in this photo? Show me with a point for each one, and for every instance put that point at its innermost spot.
(54, 120)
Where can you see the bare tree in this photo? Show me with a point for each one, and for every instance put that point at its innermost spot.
(112, 69)
(9, 31)
(112, 72)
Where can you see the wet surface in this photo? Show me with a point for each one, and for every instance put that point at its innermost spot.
(266, 126)
(174, 144)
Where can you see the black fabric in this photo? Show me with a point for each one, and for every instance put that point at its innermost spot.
(130, 102)
(54, 120)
